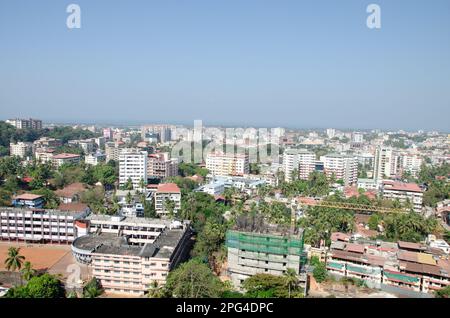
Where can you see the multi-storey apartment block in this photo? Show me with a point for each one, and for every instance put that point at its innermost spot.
(404, 192)
(167, 192)
(94, 159)
(227, 164)
(386, 164)
(65, 158)
(112, 150)
(133, 166)
(343, 168)
(161, 166)
(127, 267)
(25, 123)
(20, 149)
(38, 225)
(250, 253)
(300, 160)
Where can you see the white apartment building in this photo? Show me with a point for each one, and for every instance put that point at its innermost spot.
(44, 155)
(386, 163)
(161, 166)
(301, 160)
(94, 158)
(112, 150)
(130, 269)
(343, 167)
(331, 133)
(132, 165)
(38, 225)
(227, 164)
(165, 192)
(357, 137)
(25, 123)
(411, 163)
(20, 149)
(65, 158)
(403, 192)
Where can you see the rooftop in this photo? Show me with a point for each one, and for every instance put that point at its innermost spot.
(66, 156)
(400, 186)
(28, 196)
(168, 188)
(71, 190)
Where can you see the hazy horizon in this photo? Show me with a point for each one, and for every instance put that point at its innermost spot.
(293, 64)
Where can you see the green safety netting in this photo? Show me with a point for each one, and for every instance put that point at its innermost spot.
(403, 278)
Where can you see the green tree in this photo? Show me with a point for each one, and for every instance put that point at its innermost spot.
(265, 286)
(320, 272)
(44, 286)
(27, 271)
(92, 289)
(290, 280)
(443, 293)
(13, 259)
(193, 279)
(155, 290)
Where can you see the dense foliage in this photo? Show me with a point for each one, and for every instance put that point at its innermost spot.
(44, 286)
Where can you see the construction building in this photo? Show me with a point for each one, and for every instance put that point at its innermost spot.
(251, 253)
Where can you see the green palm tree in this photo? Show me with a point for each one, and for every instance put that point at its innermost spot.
(142, 184)
(129, 198)
(290, 280)
(14, 260)
(27, 271)
(155, 290)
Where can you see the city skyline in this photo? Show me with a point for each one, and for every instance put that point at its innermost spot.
(297, 65)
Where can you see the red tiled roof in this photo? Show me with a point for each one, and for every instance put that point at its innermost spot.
(71, 190)
(66, 156)
(168, 188)
(400, 186)
(73, 207)
(28, 196)
(337, 236)
(356, 248)
(411, 246)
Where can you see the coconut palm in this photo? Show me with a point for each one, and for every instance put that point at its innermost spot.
(27, 271)
(14, 260)
(290, 280)
(155, 290)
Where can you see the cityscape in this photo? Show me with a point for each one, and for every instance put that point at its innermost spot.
(222, 175)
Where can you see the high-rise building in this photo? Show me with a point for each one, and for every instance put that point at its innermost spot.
(112, 150)
(386, 163)
(357, 137)
(411, 163)
(107, 133)
(343, 167)
(227, 164)
(331, 133)
(132, 165)
(300, 160)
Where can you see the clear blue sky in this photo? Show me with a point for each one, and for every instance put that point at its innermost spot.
(255, 62)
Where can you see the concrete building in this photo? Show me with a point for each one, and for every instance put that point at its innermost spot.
(126, 268)
(251, 253)
(227, 164)
(44, 155)
(20, 149)
(112, 150)
(386, 163)
(301, 160)
(28, 200)
(403, 192)
(65, 158)
(343, 167)
(165, 192)
(94, 159)
(25, 123)
(405, 268)
(160, 166)
(411, 163)
(331, 133)
(132, 165)
(38, 225)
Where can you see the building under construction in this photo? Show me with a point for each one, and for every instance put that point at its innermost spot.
(264, 250)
